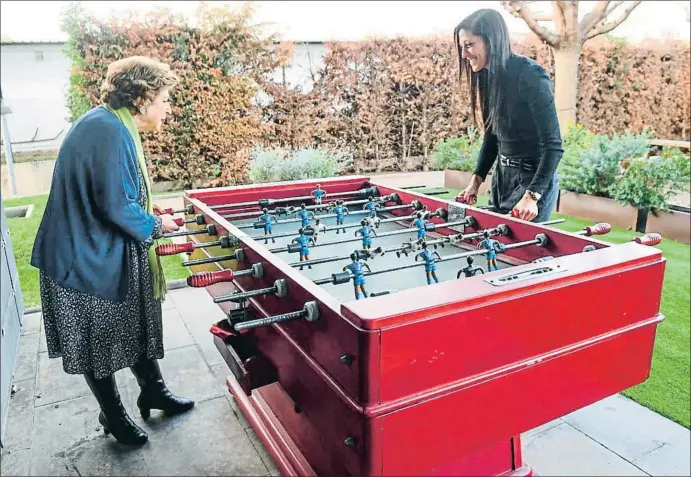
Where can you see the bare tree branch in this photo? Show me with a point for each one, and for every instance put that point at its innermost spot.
(559, 20)
(521, 10)
(595, 16)
(570, 10)
(609, 26)
(611, 8)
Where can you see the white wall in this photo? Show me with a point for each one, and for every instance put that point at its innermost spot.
(34, 80)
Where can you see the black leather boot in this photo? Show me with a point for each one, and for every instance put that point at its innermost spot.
(113, 416)
(154, 394)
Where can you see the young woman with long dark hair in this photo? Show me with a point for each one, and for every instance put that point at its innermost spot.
(520, 120)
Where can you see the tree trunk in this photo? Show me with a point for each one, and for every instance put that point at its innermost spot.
(566, 84)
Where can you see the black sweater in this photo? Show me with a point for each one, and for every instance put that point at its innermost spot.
(528, 128)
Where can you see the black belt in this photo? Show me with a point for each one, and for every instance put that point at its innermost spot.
(521, 164)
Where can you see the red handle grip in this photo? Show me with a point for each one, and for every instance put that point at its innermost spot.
(164, 212)
(180, 222)
(649, 239)
(174, 248)
(204, 279)
(221, 333)
(601, 228)
(460, 199)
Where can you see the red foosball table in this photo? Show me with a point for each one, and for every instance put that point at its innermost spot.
(412, 373)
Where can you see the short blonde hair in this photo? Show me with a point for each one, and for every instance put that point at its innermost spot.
(135, 82)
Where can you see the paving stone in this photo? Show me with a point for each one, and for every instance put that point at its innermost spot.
(205, 342)
(42, 346)
(15, 462)
(31, 324)
(625, 427)
(563, 450)
(20, 416)
(175, 333)
(27, 358)
(186, 375)
(195, 304)
(168, 303)
(263, 454)
(204, 441)
(69, 440)
(670, 459)
(221, 373)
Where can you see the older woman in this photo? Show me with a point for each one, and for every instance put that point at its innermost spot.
(101, 280)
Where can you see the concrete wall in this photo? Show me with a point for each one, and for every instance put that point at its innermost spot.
(11, 317)
(32, 178)
(34, 79)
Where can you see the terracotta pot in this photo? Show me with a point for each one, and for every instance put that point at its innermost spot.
(460, 179)
(671, 225)
(597, 209)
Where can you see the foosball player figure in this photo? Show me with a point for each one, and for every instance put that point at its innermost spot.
(366, 231)
(318, 193)
(340, 210)
(304, 242)
(420, 223)
(356, 267)
(304, 215)
(491, 246)
(471, 270)
(373, 221)
(430, 264)
(268, 226)
(371, 206)
(316, 229)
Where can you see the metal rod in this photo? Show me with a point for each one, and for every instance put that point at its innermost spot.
(436, 192)
(288, 199)
(183, 233)
(418, 186)
(238, 297)
(258, 213)
(356, 212)
(384, 234)
(8, 149)
(202, 261)
(243, 325)
(324, 281)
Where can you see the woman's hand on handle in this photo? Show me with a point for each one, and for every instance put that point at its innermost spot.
(469, 194)
(525, 209)
(168, 224)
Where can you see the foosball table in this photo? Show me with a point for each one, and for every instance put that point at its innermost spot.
(409, 335)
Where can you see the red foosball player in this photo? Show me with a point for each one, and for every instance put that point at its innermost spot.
(470, 270)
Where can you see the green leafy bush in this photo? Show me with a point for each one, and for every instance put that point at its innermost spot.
(278, 164)
(457, 153)
(649, 183)
(594, 163)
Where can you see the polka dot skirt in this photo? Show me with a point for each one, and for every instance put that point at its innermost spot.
(99, 336)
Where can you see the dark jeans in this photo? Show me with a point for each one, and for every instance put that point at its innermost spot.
(509, 184)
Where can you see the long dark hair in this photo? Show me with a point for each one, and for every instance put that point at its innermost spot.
(490, 26)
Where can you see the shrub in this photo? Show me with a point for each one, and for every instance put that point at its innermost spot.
(457, 153)
(595, 169)
(278, 164)
(649, 183)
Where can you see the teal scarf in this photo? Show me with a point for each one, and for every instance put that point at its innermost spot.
(124, 115)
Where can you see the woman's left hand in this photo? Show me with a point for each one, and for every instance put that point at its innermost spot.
(526, 209)
(158, 210)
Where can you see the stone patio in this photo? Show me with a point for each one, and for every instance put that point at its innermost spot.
(53, 424)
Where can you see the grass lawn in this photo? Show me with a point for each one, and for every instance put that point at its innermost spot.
(23, 233)
(667, 391)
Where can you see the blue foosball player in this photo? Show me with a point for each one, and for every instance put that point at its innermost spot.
(356, 267)
(420, 223)
(430, 263)
(371, 207)
(268, 220)
(471, 270)
(318, 193)
(340, 210)
(366, 231)
(304, 242)
(304, 215)
(491, 246)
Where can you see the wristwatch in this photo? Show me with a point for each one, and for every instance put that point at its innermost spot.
(534, 195)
